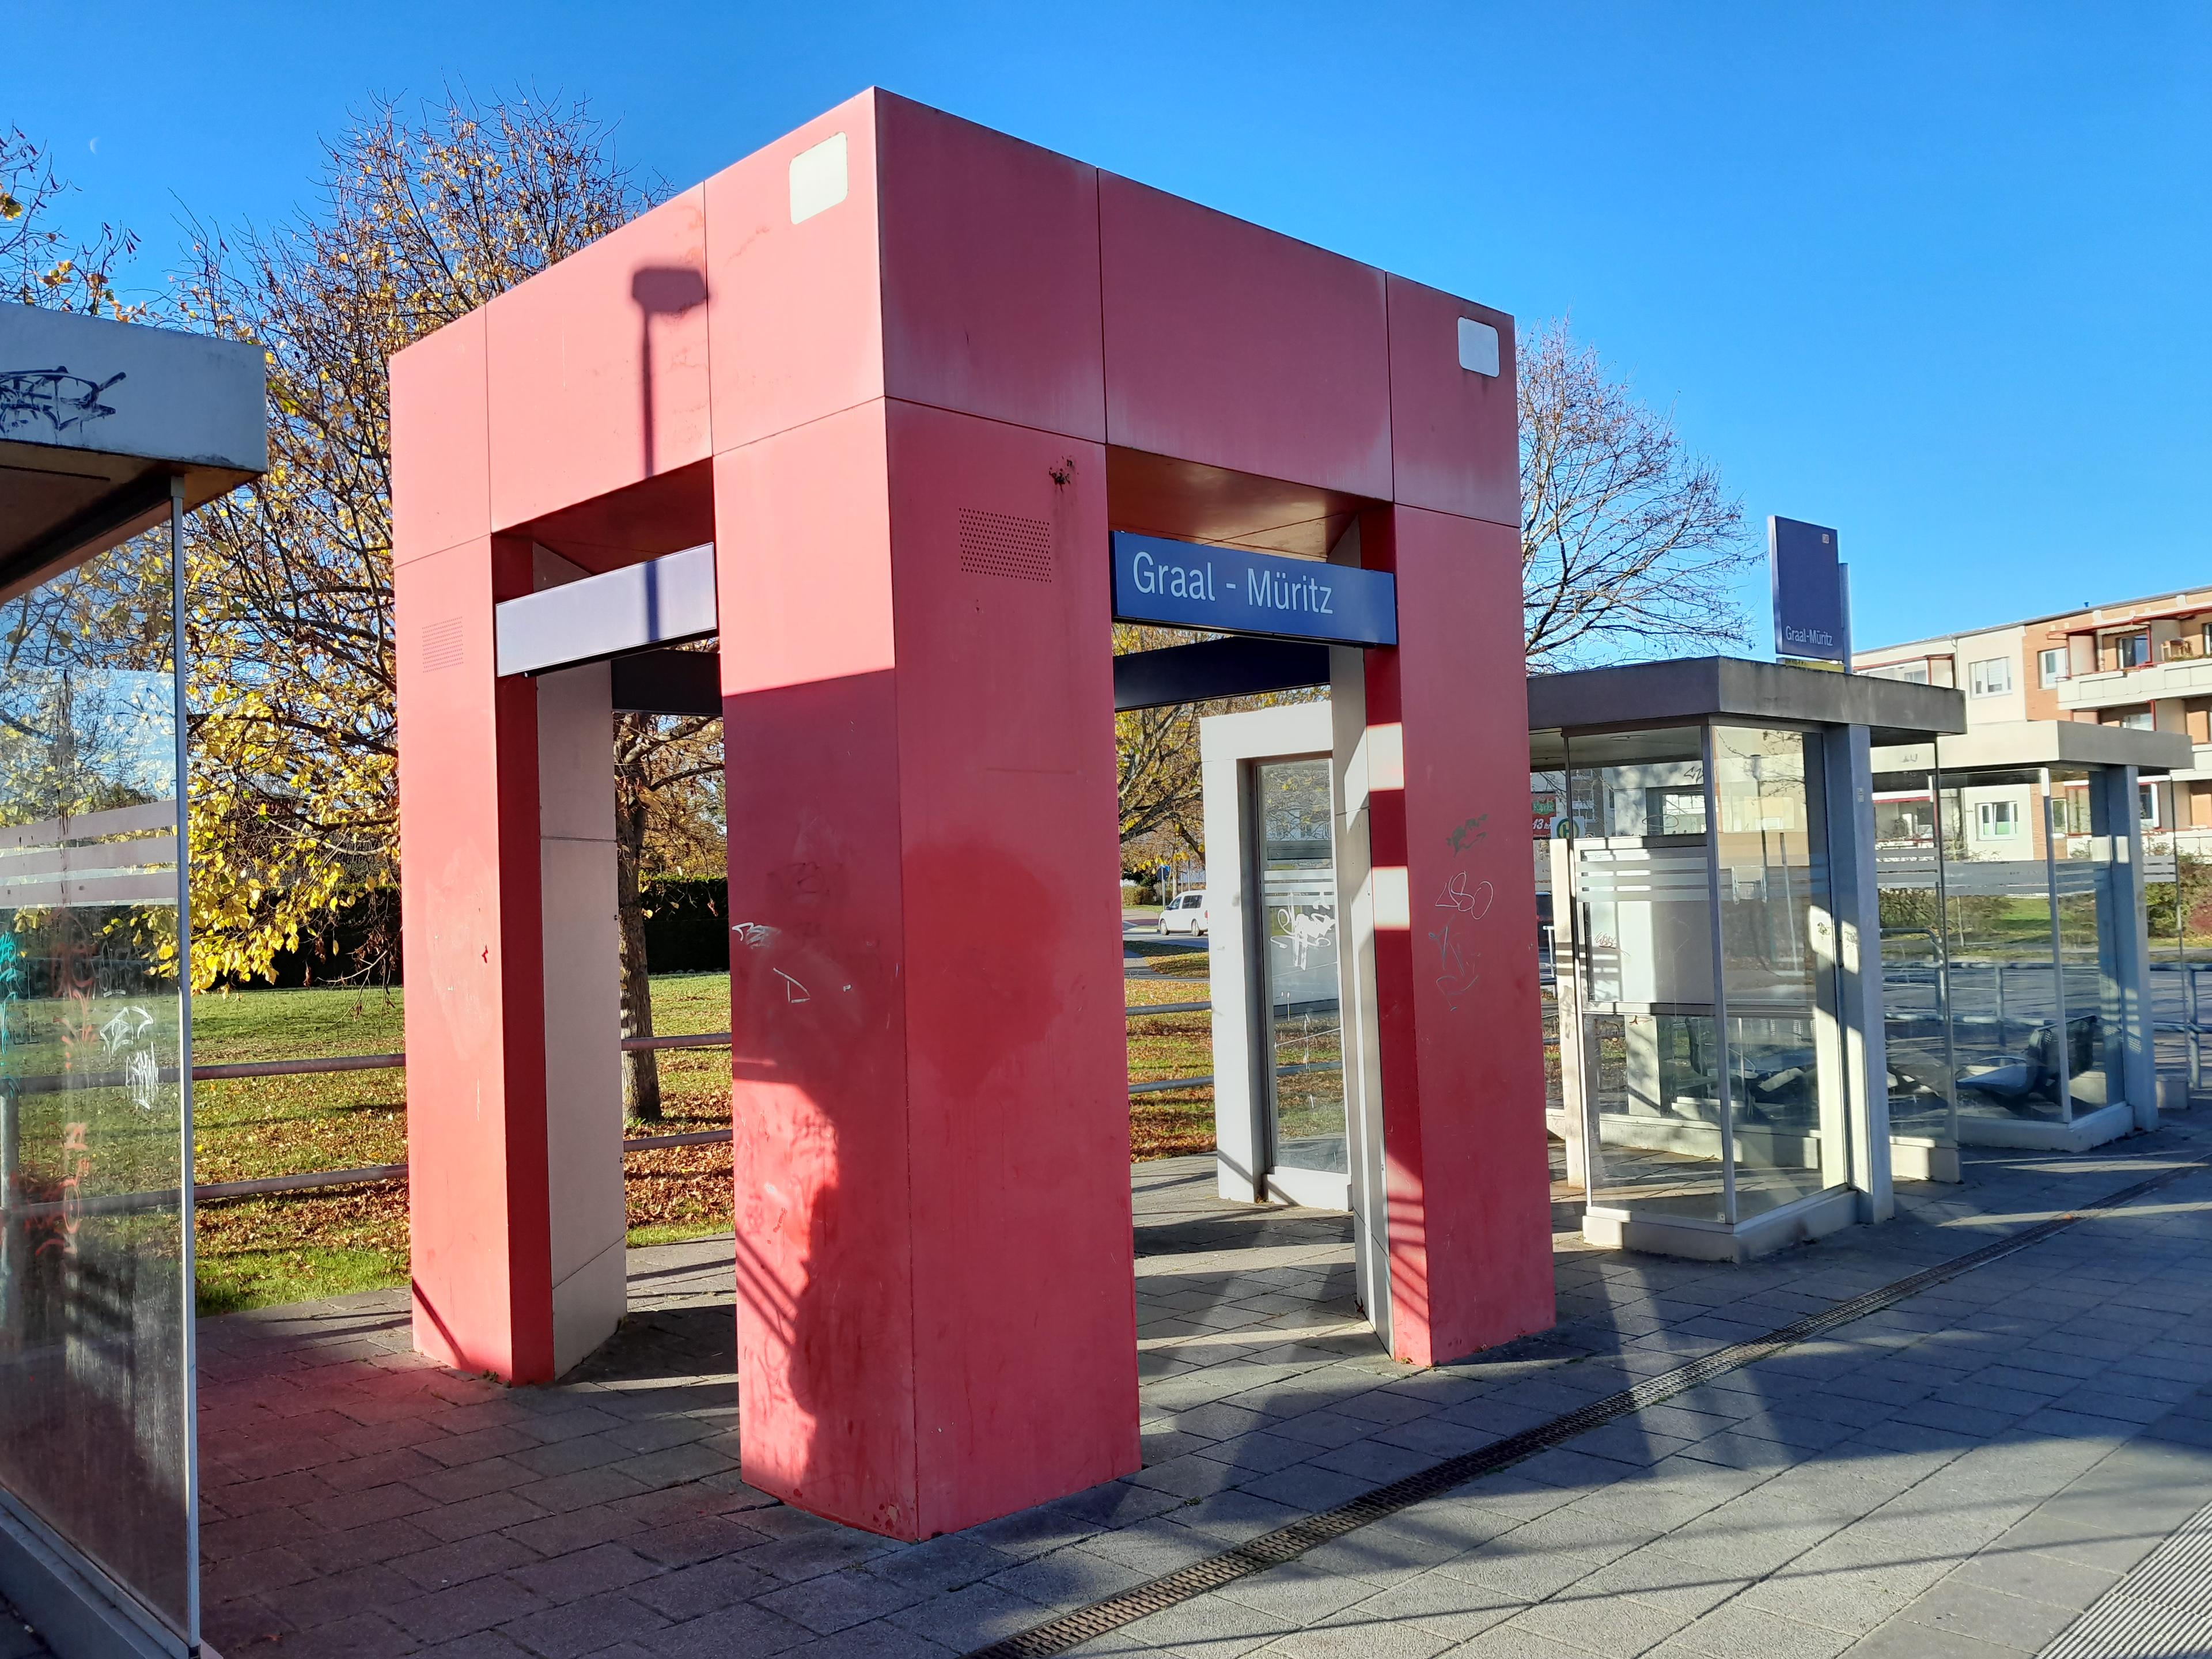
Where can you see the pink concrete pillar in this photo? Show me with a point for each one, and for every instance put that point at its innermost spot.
(477, 1194)
(936, 1309)
(1459, 1024)
(507, 824)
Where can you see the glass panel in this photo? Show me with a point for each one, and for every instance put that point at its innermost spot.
(94, 1390)
(1774, 1095)
(1637, 783)
(1643, 890)
(1554, 1098)
(1915, 985)
(1297, 892)
(1657, 1094)
(2004, 991)
(2081, 881)
(1773, 879)
(1646, 925)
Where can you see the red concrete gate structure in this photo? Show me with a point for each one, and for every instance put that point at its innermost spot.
(905, 374)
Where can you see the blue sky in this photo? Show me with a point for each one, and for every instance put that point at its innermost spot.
(1934, 275)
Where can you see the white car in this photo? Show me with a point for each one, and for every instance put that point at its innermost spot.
(1184, 913)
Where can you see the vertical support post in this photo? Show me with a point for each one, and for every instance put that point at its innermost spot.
(188, 1264)
(936, 1293)
(1351, 782)
(1861, 1114)
(478, 1196)
(1725, 1091)
(1579, 1130)
(2196, 1045)
(1944, 963)
(2123, 941)
(1468, 1166)
(1240, 1144)
(580, 946)
(2063, 1045)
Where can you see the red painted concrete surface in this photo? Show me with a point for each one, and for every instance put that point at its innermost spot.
(1461, 1035)
(936, 1309)
(481, 1241)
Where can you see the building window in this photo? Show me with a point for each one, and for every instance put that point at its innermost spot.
(2147, 797)
(2117, 650)
(1991, 677)
(2051, 666)
(2136, 719)
(1904, 823)
(1912, 673)
(1997, 820)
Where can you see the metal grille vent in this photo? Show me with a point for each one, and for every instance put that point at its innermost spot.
(441, 645)
(2164, 1607)
(998, 544)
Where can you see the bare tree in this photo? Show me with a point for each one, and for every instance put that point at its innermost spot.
(41, 264)
(1163, 802)
(1628, 542)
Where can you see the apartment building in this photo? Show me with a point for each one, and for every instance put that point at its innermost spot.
(2144, 663)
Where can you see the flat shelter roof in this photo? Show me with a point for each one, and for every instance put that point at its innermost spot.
(97, 416)
(1689, 689)
(2028, 745)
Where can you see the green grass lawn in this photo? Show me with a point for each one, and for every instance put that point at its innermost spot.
(296, 1247)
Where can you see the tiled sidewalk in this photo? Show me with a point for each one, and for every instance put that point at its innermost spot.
(1956, 1475)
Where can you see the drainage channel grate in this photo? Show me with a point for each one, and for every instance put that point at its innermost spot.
(1285, 1544)
(2160, 1610)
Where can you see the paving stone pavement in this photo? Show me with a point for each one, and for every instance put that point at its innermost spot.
(1960, 1474)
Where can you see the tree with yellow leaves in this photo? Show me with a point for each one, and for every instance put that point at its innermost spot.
(40, 263)
(424, 215)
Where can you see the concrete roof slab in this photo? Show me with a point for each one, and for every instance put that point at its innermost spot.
(95, 418)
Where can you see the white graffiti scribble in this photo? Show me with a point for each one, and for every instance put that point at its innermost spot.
(1305, 932)
(126, 1028)
(1454, 978)
(793, 990)
(1473, 904)
(755, 935)
(142, 1076)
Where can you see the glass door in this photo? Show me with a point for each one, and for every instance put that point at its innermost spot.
(1301, 1015)
(95, 1210)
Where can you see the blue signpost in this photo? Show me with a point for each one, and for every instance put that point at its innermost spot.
(1812, 609)
(1225, 590)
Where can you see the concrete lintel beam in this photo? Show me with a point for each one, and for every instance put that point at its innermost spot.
(660, 601)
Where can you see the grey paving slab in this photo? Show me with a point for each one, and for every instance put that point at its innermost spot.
(1956, 1472)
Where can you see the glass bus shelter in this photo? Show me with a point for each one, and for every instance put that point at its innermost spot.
(1713, 918)
(1708, 827)
(98, 1502)
(2019, 1004)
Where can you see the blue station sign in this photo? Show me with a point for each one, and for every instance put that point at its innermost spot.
(1225, 590)
(1811, 618)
